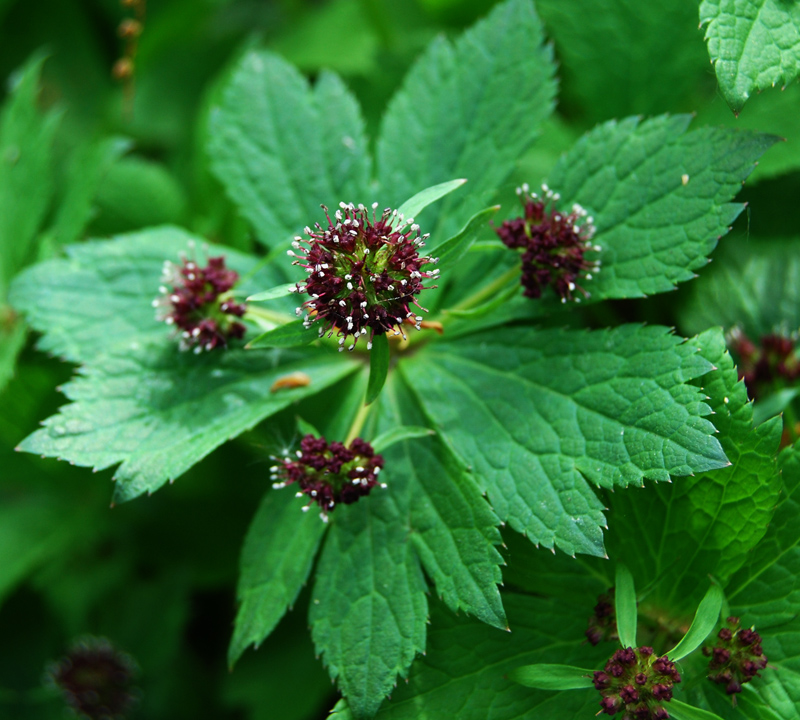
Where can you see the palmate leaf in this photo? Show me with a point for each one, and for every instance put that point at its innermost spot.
(281, 147)
(158, 411)
(678, 534)
(540, 416)
(369, 610)
(100, 296)
(660, 197)
(465, 671)
(754, 44)
(467, 109)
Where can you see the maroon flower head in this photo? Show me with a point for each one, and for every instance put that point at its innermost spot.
(198, 302)
(637, 683)
(364, 273)
(95, 679)
(330, 473)
(554, 245)
(737, 656)
(765, 367)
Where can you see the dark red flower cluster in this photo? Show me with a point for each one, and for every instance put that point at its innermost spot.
(330, 473)
(736, 658)
(197, 301)
(363, 274)
(603, 624)
(766, 368)
(96, 679)
(636, 683)
(554, 245)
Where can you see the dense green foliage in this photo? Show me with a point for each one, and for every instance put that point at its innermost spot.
(536, 451)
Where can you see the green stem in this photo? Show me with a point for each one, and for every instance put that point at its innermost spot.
(358, 423)
(491, 289)
(266, 318)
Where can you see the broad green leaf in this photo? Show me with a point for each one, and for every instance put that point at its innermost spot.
(26, 174)
(753, 44)
(404, 432)
(705, 619)
(660, 197)
(467, 109)
(552, 677)
(413, 206)
(281, 147)
(277, 556)
(292, 334)
(158, 411)
(368, 607)
(86, 171)
(754, 285)
(625, 606)
(681, 711)
(276, 292)
(677, 534)
(773, 405)
(378, 367)
(465, 671)
(635, 78)
(451, 251)
(306, 428)
(100, 296)
(540, 416)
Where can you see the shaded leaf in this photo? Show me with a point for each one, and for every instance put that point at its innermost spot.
(625, 606)
(378, 367)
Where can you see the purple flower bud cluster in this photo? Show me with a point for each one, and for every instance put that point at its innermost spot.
(95, 679)
(363, 273)
(554, 245)
(736, 658)
(636, 682)
(767, 367)
(198, 302)
(330, 473)
(603, 624)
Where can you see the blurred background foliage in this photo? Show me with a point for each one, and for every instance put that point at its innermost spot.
(157, 576)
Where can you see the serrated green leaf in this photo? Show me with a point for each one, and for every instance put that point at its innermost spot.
(625, 606)
(539, 415)
(451, 251)
(26, 178)
(158, 411)
(752, 285)
(630, 80)
(705, 619)
(681, 711)
(100, 296)
(660, 197)
(753, 44)
(368, 608)
(415, 205)
(677, 534)
(484, 98)
(378, 367)
(281, 147)
(552, 677)
(277, 556)
(276, 292)
(291, 334)
(465, 670)
(404, 432)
